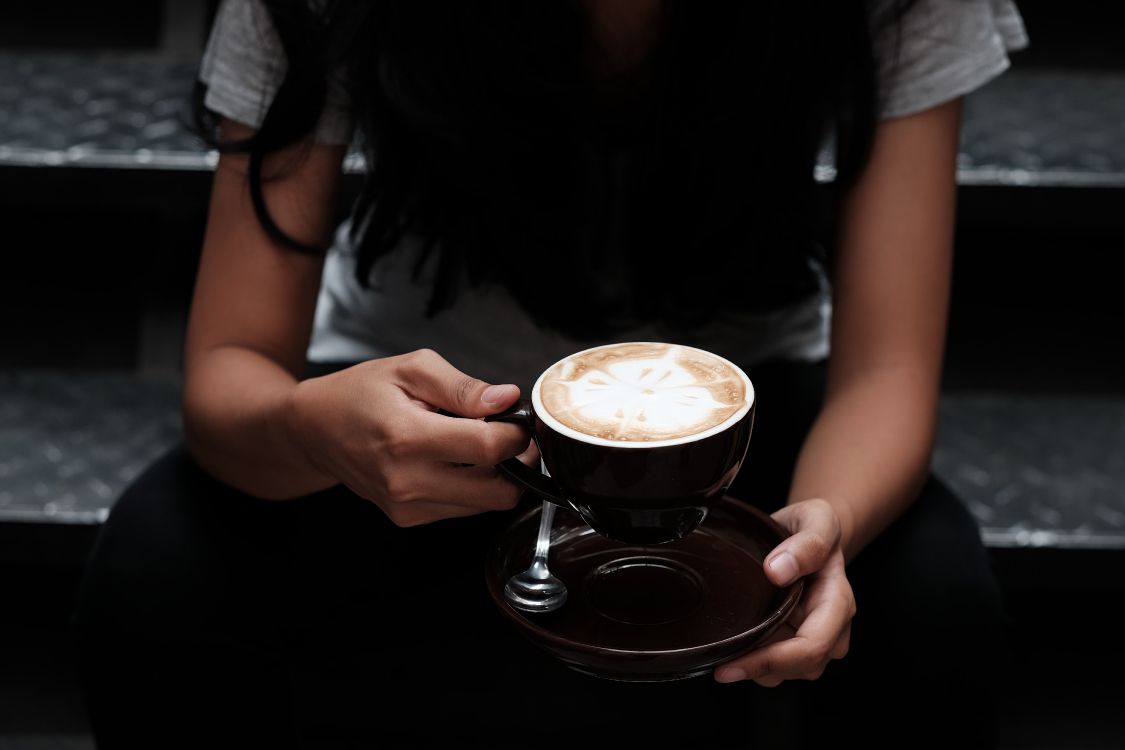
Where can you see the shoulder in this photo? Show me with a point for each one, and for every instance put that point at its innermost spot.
(244, 64)
(942, 49)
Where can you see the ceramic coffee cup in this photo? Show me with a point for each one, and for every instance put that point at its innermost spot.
(638, 438)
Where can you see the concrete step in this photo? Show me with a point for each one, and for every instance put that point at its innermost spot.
(1029, 128)
(1036, 471)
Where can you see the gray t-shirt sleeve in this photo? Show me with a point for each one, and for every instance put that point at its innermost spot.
(244, 64)
(945, 49)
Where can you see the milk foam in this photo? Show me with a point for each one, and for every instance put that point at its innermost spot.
(642, 392)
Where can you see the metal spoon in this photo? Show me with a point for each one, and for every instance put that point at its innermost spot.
(535, 589)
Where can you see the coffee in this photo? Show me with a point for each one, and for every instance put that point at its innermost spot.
(640, 438)
(642, 392)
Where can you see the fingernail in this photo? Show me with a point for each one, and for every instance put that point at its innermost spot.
(493, 394)
(784, 567)
(731, 675)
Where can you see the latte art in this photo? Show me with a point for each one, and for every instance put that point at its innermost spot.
(642, 392)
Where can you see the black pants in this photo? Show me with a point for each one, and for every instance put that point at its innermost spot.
(207, 615)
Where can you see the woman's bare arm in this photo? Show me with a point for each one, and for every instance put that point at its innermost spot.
(251, 318)
(869, 451)
(373, 426)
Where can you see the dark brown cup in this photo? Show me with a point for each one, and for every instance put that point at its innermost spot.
(637, 493)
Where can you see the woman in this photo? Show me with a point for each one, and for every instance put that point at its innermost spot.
(544, 177)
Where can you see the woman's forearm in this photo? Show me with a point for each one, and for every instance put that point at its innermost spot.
(236, 422)
(868, 452)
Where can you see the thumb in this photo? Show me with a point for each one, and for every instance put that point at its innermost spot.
(816, 534)
(427, 375)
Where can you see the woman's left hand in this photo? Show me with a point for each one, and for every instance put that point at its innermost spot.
(819, 629)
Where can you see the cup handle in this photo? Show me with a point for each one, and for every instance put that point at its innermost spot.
(521, 413)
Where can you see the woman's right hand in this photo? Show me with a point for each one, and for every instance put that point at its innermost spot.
(375, 428)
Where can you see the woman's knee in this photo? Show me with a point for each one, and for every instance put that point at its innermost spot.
(927, 582)
(184, 614)
(170, 547)
(933, 549)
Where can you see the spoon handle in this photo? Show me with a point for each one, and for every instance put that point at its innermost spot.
(539, 567)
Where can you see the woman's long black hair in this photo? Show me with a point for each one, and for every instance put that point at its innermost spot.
(671, 194)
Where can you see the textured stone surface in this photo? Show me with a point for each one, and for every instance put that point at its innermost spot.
(80, 110)
(70, 443)
(1037, 470)
(1046, 128)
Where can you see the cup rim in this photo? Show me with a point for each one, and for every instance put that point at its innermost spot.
(542, 414)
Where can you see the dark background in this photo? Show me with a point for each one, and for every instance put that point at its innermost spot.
(97, 272)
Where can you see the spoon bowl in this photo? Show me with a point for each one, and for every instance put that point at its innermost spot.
(535, 589)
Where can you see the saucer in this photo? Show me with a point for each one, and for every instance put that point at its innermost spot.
(650, 613)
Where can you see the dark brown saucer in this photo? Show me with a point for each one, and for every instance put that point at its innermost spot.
(656, 613)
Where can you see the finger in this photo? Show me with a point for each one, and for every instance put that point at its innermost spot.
(807, 651)
(838, 651)
(816, 534)
(408, 515)
(466, 441)
(478, 487)
(426, 375)
(530, 456)
(843, 644)
(799, 613)
(784, 632)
